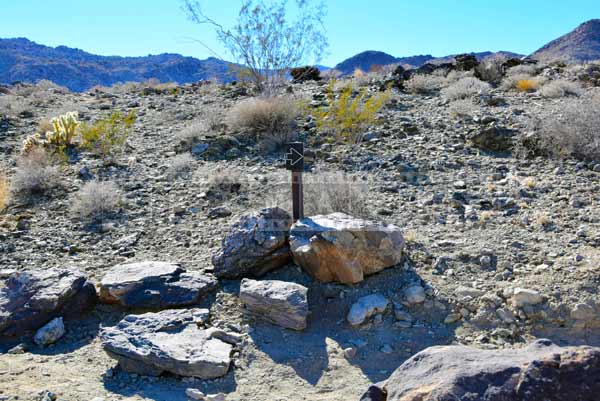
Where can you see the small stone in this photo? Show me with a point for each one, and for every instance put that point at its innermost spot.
(505, 315)
(387, 349)
(452, 317)
(18, 349)
(219, 211)
(414, 295)
(349, 352)
(195, 394)
(50, 333)
(460, 185)
(402, 315)
(216, 397)
(366, 307)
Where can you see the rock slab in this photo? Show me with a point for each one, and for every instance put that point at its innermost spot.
(167, 341)
(256, 244)
(540, 372)
(154, 285)
(339, 247)
(50, 333)
(30, 299)
(282, 303)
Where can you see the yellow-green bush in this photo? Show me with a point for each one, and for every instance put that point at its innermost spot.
(349, 114)
(107, 135)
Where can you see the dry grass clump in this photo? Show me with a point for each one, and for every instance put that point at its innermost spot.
(491, 69)
(222, 183)
(463, 109)
(269, 120)
(180, 165)
(13, 105)
(573, 131)
(336, 191)
(424, 84)
(96, 200)
(4, 191)
(560, 88)
(466, 88)
(36, 174)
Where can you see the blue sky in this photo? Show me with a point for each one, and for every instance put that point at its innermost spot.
(398, 27)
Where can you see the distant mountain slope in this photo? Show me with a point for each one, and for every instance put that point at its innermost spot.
(24, 60)
(366, 59)
(581, 44)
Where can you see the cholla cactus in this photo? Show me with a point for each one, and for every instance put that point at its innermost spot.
(64, 129)
(32, 142)
(61, 136)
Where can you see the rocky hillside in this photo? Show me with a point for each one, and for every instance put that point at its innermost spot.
(476, 271)
(367, 59)
(582, 44)
(24, 60)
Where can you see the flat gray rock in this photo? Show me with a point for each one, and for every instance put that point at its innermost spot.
(540, 372)
(282, 303)
(167, 341)
(256, 244)
(30, 299)
(339, 247)
(154, 285)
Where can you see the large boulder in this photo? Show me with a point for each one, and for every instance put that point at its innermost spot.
(30, 299)
(339, 247)
(167, 341)
(154, 285)
(466, 62)
(282, 303)
(256, 244)
(540, 372)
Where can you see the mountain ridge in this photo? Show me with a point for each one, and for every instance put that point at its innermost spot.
(581, 44)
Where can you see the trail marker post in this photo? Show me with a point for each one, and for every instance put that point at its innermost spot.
(294, 161)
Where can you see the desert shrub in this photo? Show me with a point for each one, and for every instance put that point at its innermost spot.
(13, 106)
(572, 131)
(348, 115)
(36, 173)
(4, 191)
(336, 191)
(331, 74)
(491, 70)
(560, 88)
(522, 82)
(463, 109)
(56, 140)
(269, 120)
(180, 165)
(465, 88)
(424, 84)
(523, 69)
(222, 183)
(108, 135)
(96, 200)
(266, 40)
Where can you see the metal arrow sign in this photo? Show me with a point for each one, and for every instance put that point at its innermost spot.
(294, 158)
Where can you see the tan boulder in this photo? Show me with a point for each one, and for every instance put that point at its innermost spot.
(339, 247)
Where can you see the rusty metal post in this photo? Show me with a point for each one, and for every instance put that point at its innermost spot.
(294, 161)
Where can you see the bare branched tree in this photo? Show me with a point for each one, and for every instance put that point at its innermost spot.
(265, 41)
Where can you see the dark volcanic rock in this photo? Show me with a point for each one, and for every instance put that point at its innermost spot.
(30, 299)
(493, 138)
(256, 244)
(540, 372)
(154, 285)
(466, 62)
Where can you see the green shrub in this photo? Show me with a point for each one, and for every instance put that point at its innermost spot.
(107, 136)
(350, 114)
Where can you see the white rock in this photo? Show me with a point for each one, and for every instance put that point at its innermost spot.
(463, 291)
(50, 333)
(414, 294)
(522, 297)
(195, 394)
(365, 307)
(216, 397)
